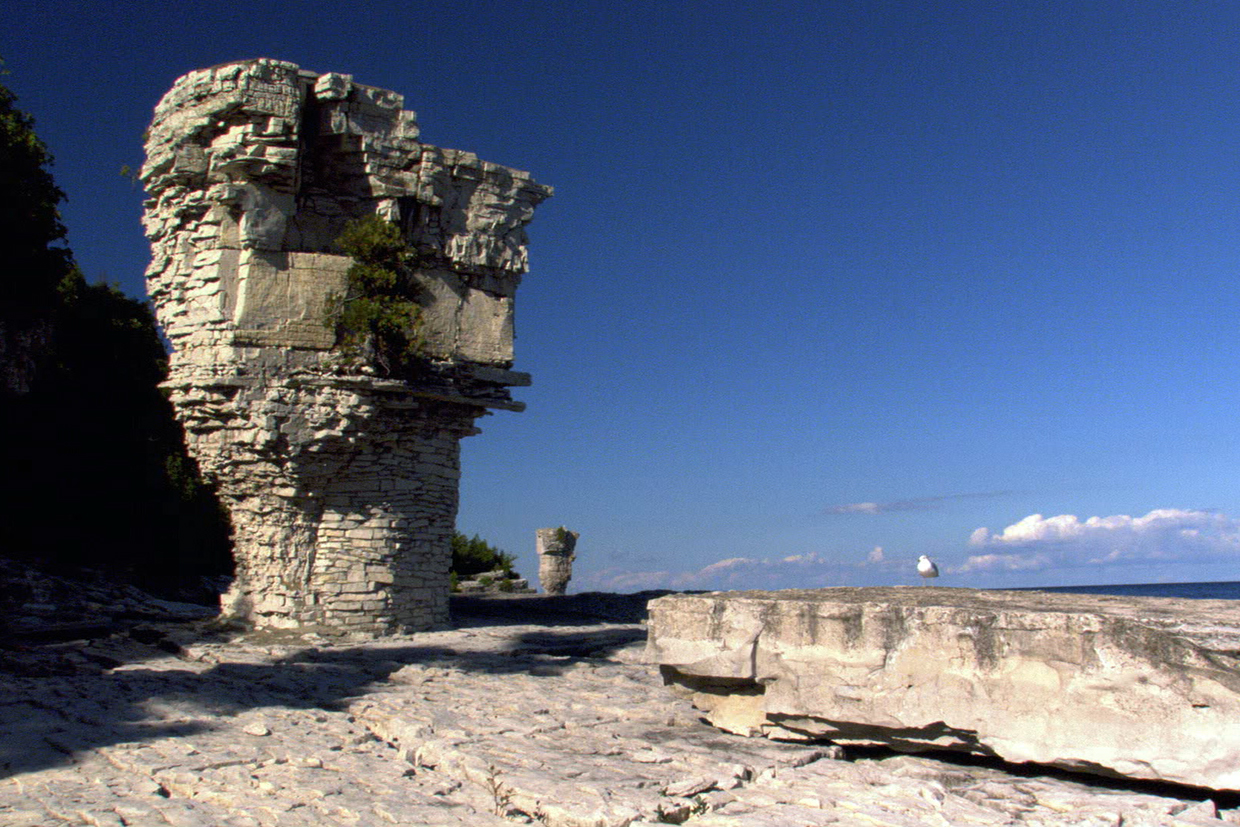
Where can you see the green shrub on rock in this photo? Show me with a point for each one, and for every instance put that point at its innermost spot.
(378, 320)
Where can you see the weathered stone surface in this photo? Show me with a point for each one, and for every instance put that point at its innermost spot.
(39, 605)
(559, 723)
(556, 547)
(342, 485)
(1140, 687)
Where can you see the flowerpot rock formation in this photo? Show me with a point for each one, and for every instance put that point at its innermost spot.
(555, 558)
(341, 483)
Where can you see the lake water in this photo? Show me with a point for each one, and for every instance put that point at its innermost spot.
(1212, 591)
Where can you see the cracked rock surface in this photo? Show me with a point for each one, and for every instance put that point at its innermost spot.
(511, 717)
(1141, 687)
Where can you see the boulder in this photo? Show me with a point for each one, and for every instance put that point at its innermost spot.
(1144, 688)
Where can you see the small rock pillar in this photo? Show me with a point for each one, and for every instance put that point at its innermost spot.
(555, 558)
(341, 482)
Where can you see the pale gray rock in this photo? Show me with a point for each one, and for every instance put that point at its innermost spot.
(1146, 688)
(556, 552)
(341, 484)
(44, 606)
(491, 723)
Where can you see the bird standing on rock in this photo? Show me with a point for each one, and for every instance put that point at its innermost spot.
(926, 567)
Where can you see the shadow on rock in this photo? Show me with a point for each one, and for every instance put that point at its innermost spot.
(61, 700)
(552, 610)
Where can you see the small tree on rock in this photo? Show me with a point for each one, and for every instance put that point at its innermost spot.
(377, 319)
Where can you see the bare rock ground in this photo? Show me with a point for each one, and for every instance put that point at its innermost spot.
(532, 712)
(1139, 687)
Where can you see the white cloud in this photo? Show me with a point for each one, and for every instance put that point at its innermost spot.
(915, 504)
(1164, 534)
(730, 564)
(807, 571)
(860, 508)
(1003, 562)
(795, 571)
(617, 580)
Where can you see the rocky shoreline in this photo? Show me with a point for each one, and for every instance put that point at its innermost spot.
(527, 710)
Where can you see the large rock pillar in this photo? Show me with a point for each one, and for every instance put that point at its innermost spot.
(341, 481)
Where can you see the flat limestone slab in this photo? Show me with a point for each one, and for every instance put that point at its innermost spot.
(1139, 687)
(528, 712)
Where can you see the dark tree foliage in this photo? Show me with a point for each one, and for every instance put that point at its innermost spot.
(93, 469)
(378, 320)
(473, 555)
(31, 232)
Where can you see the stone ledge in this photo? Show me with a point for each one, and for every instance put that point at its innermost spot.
(1138, 687)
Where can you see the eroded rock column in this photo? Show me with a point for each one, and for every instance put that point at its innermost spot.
(555, 558)
(341, 482)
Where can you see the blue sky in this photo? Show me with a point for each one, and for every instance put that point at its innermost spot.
(823, 287)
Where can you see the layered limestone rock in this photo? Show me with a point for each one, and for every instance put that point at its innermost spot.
(1140, 687)
(411, 730)
(341, 484)
(555, 548)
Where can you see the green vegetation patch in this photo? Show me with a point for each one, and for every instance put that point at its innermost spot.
(378, 320)
(473, 555)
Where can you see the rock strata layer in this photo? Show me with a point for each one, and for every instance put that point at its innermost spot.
(555, 548)
(1145, 688)
(341, 484)
(159, 726)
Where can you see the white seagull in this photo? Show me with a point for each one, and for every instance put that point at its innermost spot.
(926, 567)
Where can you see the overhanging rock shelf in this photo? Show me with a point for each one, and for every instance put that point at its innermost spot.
(1145, 688)
(342, 485)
